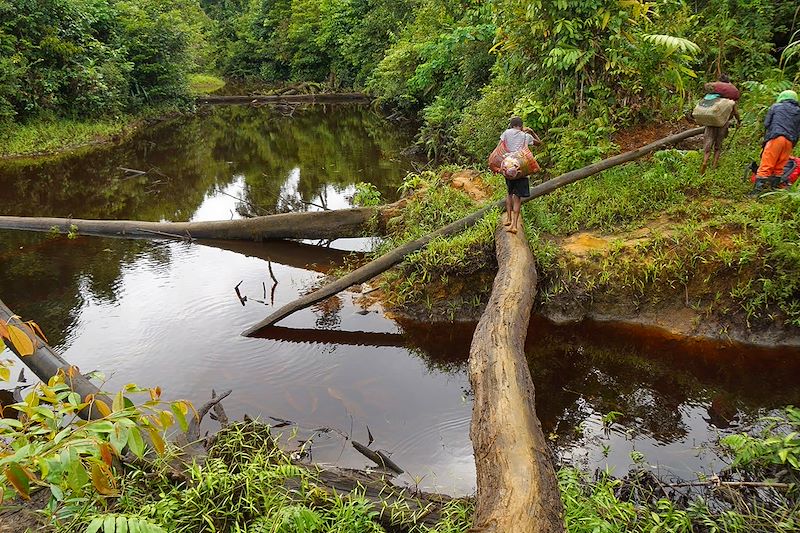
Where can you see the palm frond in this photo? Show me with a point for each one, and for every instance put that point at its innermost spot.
(672, 42)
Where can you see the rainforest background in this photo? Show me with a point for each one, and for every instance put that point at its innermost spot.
(574, 70)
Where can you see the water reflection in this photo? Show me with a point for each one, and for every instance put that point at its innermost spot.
(226, 161)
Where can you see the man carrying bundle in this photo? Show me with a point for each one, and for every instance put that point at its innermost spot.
(715, 134)
(514, 160)
(783, 129)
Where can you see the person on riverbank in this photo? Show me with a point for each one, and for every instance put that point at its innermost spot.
(782, 125)
(515, 138)
(713, 136)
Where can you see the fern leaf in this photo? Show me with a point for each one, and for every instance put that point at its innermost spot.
(673, 43)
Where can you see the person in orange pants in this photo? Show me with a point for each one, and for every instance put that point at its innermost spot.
(783, 129)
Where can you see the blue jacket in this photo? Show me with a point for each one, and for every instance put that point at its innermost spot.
(783, 120)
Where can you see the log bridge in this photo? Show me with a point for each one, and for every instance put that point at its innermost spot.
(517, 486)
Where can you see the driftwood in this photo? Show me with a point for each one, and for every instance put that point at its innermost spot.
(396, 256)
(517, 486)
(280, 98)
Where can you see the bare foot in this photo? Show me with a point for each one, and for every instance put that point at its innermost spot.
(512, 230)
(507, 223)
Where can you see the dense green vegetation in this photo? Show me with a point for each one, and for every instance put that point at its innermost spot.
(578, 71)
(573, 70)
(713, 248)
(95, 62)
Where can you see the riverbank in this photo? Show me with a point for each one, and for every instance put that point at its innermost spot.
(248, 482)
(49, 137)
(653, 243)
(54, 135)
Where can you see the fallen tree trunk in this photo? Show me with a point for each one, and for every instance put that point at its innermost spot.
(517, 486)
(289, 98)
(354, 222)
(46, 362)
(396, 256)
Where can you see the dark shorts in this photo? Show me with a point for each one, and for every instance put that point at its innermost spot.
(713, 137)
(520, 186)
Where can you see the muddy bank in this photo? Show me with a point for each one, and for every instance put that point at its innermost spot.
(669, 316)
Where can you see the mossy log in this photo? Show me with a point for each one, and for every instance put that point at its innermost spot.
(517, 485)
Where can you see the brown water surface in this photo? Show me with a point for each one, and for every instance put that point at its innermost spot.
(165, 313)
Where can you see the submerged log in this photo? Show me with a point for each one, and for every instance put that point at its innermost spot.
(396, 256)
(354, 222)
(517, 486)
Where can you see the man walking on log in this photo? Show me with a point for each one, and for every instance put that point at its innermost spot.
(783, 129)
(516, 138)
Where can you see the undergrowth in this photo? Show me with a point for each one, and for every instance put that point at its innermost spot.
(248, 484)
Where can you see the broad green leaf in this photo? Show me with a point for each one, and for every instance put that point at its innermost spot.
(16, 475)
(95, 525)
(77, 478)
(119, 402)
(5, 372)
(180, 416)
(101, 426)
(158, 440)
(119, 437)
(109, 523)
(135, 441)
(20, 341)
(57, 493)
(122, 524)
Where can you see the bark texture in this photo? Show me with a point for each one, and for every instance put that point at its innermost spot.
(396, 256)
(517, 485)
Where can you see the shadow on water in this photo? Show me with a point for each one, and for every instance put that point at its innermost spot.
(669, 394)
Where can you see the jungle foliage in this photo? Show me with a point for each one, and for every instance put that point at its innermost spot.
(87, 59)
(573, 70)
(576, 70)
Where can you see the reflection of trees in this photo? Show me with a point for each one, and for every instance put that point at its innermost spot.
(191, 157)
(334, 146)
(42, 276)
(582, 370)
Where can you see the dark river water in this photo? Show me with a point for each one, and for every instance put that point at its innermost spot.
(165, 313)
